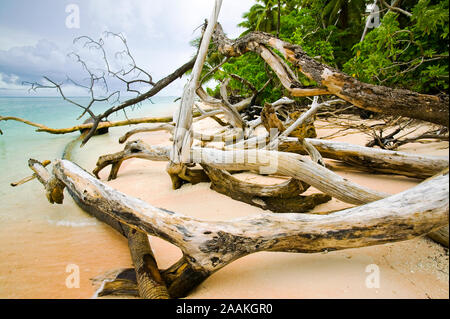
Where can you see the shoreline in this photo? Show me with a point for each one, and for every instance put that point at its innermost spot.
(417, 268)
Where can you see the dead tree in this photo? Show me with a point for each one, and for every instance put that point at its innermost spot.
(370, 97)
(378, 217)
(129, 75)
(209, 246)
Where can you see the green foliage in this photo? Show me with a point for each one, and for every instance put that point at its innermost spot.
(405, 52)
(251, 67)
(431, 18)
(412, 56)
(302, 27)
(261, 17)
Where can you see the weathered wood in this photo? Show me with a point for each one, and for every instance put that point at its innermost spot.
(53, 187)
(231, 114)
(305, 170)
(213, 102)
(440, 236)
(182, 139)
(372, 159)
(208, 246)
(282, 198)
(286, 164)
(149, 281)
(29, 178)
(98, 131)
(133, 149)
(81, 127)
(370, 97)
(270, 120)
(301, 120)
(158, 127)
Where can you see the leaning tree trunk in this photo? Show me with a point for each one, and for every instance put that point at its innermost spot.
(370, 97)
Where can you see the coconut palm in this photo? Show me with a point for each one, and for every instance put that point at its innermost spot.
(262, 16)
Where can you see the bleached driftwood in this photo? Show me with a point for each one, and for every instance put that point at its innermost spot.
(364, 158)
(281, 198)
(149, 282)
(158, 127)
(372, 159)
(182, 139)
(209, 246)
(289, 164)
(286, 164)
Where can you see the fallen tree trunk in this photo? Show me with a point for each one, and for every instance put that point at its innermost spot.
(381, 99)
(148, 279)
(286, 164)
(372, 159)
(209, 246)
(272, 162)
(364, 158)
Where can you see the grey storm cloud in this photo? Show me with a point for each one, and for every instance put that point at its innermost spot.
(35, 41)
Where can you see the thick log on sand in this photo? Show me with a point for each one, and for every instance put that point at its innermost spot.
(209, 246)
(148, 279)
(372, 159)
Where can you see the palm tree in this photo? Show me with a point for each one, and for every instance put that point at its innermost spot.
(343, 13)
(262, 17)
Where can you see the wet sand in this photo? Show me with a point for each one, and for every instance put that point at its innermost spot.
(34, 254)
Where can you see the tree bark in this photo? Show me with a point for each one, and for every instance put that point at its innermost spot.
(372, 159)
(209, 246)
(149, 281)
(376, 98)
(282, 198)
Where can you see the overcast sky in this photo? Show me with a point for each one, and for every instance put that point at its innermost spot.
(35, 38)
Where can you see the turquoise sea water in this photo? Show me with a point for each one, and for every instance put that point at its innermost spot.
(37, 239)
(20, 142)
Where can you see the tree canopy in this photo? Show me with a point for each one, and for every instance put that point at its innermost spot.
(408, 49)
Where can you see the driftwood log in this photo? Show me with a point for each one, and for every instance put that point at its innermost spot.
(209, 246)
(281, 198)
(287, 164)
(364, 158)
